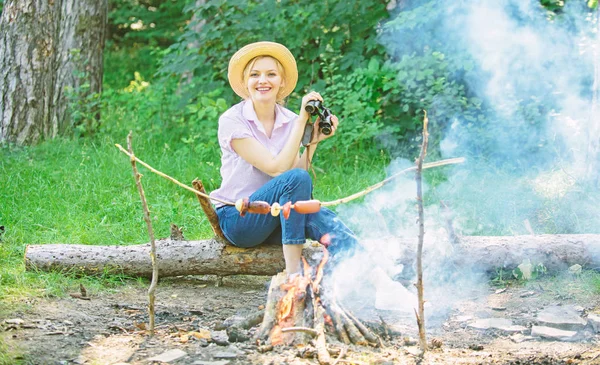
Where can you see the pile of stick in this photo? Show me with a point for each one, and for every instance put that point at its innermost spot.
(299, 312)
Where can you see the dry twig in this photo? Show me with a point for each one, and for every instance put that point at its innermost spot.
(418, 177)
(450, 161)
(162, 174)
(138, 183)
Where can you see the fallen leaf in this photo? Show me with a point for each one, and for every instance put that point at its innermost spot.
(201, 334)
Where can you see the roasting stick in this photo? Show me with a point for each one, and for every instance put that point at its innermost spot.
(450, 161)
(303, 206)
(170, 178)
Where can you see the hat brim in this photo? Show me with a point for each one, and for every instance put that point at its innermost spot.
(240, 59)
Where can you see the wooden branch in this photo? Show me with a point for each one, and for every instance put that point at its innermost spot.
(152, 289)
(209, 211)
(450, 161)
(319, 324)
(338, 324)
(373, 339)
(163, 175)
(418, 177)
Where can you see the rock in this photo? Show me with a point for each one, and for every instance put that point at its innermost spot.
(169, 356)
(553, 333)
(502, 324)
(561, 317)
(236, 334)
(220, 338)
(225, 355)
(575, 269)
(16, 321)
(519, 337)
(462, 318)
(594, 320)
(219, 362)
(527, 294)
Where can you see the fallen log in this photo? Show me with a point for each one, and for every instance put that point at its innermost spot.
(211, 257)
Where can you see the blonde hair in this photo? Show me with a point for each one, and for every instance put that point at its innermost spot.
(280, 100)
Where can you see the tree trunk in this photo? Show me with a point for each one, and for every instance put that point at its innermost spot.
(210, 257)
(47, 48)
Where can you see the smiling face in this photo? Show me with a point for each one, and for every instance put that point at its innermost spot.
(264, 79)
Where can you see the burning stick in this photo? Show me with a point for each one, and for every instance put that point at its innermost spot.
(418, 178)
(138, 183)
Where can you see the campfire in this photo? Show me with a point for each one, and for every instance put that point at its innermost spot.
(299, 311)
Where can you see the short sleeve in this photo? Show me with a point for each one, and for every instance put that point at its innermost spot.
(230, 129)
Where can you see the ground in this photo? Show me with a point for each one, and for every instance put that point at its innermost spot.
(108, 329)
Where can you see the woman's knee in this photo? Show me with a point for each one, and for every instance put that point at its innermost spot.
(298, 179)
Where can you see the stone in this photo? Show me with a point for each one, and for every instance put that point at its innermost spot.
(218, 362)
(553, 333)
(502, 324)
(220, 338)
(561, 317)
(519, 337)
(17, 321)
(594, 320)
(169, 356)
(225, 355)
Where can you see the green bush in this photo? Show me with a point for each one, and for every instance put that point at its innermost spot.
(324, 36)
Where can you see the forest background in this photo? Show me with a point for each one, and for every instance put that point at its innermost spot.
(379, 65)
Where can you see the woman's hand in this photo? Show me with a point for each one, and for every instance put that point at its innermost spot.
(317, 136)
(313, 95)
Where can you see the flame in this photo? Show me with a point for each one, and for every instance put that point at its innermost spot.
(319, 275)
(286, 305)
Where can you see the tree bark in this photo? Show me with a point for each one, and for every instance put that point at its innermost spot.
(47, 48)
(211, 257)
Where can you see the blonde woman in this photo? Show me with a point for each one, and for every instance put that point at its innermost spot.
(260, 142)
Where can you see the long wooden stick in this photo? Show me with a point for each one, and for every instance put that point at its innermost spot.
(450, 161)
(209, 211)
(161, 174)
(152, 289)
(418, 178)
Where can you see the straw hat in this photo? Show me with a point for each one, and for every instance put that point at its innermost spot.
(278, 51)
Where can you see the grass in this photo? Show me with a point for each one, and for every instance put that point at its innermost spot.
(82, 191)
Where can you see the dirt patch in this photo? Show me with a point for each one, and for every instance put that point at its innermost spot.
(108, 329)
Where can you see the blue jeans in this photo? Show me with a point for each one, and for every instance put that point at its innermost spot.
(254, 229)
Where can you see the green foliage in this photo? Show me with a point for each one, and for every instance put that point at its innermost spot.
(555, 5)
(324, 36)
(83, 105)
(144, 22)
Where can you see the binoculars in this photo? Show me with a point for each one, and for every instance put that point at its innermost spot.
(315, 107)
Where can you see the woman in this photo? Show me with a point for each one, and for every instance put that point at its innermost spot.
(260, 143)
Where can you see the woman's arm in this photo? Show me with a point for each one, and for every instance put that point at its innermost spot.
(260, 157)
